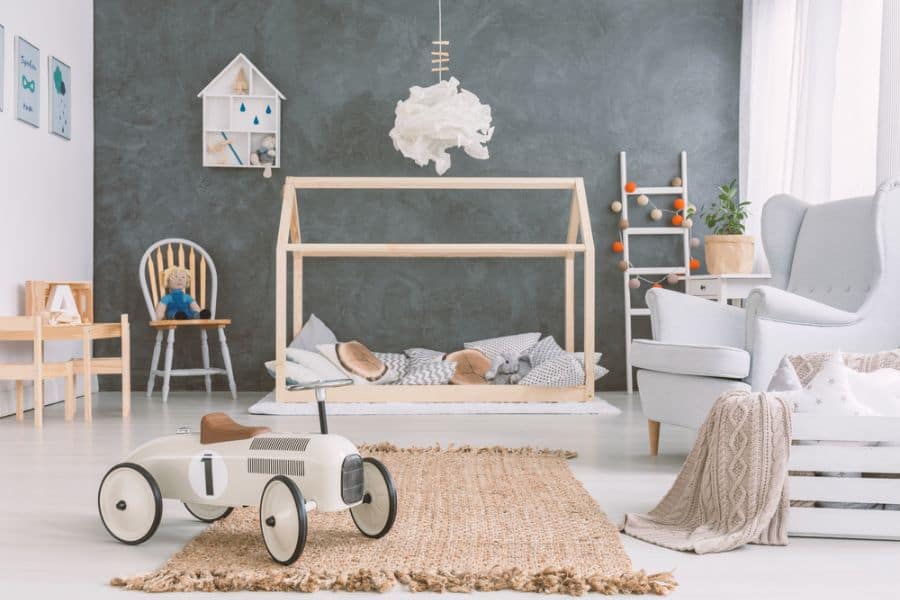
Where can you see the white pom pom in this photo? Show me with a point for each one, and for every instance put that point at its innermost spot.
(687, 223)
(616, 206)
(695, 242)
(634, 283)
(671, 278)
(656, 214)
(676, 182)
(642, 200)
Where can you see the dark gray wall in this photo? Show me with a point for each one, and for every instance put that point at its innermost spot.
(570, 83)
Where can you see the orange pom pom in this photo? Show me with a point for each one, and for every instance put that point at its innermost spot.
(695, 264)
(630, 187)
(618, 247)
(677, 220)
(679, 203)
(657, 285)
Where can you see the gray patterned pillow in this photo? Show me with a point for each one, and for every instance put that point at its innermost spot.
(396, 361)
(548, 349)
(510, 348)
(561, 371)
(433, 372)
(422, 356)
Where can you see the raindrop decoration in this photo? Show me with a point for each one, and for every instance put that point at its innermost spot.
(243, 108)
(268, 109)
(256, 120)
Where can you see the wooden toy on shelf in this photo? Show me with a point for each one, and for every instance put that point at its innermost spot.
(241, 110)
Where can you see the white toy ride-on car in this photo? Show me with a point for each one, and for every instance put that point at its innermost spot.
(227, 465)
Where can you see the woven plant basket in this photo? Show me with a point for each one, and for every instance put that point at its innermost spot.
(732, 254)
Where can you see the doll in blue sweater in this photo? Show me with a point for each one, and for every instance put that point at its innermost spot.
(178, 304)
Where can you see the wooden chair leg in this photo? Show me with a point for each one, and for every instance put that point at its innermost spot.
(154, 363)
(204, 350)
(20, 401)
(86, 372)
(167, 373)
(653, 432)
(226, 358)
(126, 367)
(70, 392)
(39, 402)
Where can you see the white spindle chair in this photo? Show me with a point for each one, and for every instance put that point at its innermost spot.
(187, 254)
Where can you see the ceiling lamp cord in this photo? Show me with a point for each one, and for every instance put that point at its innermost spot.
(441, 56)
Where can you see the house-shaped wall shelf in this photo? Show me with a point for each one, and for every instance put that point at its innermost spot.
(241, 108)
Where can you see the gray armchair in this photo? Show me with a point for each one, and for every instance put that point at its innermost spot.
(835, 286)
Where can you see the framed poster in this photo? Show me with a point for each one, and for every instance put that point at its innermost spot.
(60, 98)
(2, 66)
(28, 82)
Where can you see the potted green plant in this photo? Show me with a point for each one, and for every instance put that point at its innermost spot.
(727, 249)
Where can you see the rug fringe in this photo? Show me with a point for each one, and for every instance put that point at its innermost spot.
(385, 447)
(548, 581)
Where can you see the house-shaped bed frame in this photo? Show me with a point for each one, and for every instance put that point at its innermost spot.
(290, 245)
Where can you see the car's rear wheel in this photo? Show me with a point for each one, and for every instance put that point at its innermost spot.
(130, 503)
(282, 519)
(208, 513)
(375, 515)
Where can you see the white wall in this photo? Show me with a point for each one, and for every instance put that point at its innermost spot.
(46, 182)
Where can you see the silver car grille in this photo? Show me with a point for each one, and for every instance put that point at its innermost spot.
(286, 444)
(276, 466)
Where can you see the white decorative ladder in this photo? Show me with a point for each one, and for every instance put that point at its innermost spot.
(683, 271)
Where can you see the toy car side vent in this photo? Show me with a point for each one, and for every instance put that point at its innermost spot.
(276, 466)
(352, 479)
(288, 444)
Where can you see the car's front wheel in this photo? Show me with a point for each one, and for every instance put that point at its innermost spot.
(375, 515)
(282, 519)
(130, 503)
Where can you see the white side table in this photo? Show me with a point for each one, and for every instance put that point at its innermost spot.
(725, 288)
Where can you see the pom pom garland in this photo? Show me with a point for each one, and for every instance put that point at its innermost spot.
(688, 223)
(623, 265)
(634, 283)
(695, 242)
(616, 206)
(672, 279)
(642, 200)
(656, 214)
(695, 264)
(618, 247)
(630, 187)
(676, 182)
(623, 223)
(677, 220)
(679, 204)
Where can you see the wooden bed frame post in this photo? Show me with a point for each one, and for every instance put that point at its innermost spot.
(289, 241)
(587, 238)
(288, 210)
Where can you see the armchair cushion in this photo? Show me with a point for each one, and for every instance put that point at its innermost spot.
(779, 305)
(682, 319)
(691, 359)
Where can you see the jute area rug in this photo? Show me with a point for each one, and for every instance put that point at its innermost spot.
(468, 519)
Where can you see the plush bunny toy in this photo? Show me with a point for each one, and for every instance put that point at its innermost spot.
(178, 304)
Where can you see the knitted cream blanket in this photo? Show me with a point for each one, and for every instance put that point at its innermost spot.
(732, 489)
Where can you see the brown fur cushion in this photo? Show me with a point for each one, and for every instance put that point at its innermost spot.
(359, 360)
(471, 366)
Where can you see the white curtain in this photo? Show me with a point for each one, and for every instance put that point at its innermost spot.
(809, 103)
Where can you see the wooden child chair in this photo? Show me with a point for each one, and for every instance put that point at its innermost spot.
(31, 329)
(163, 255)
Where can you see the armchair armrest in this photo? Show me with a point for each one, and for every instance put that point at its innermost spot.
(773, 304)
(682, 319)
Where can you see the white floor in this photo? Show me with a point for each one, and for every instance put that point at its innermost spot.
(53, 545)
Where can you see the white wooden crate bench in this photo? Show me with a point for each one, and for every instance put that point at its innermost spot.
(879, 463)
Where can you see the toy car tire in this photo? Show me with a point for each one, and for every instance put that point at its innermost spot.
(129, 503)
(375, 516)
(282, 519)
(208, 513)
